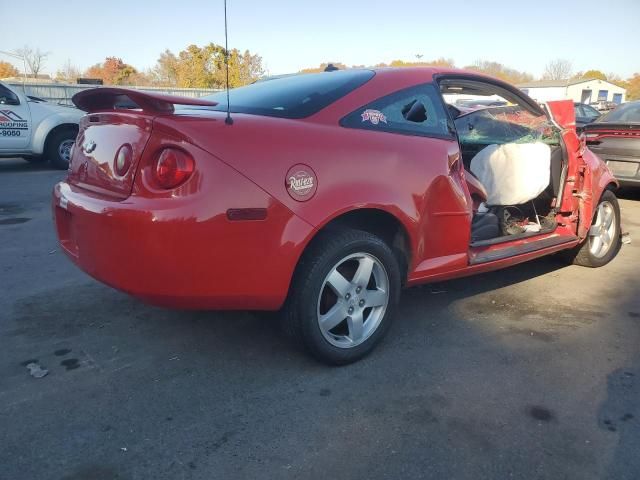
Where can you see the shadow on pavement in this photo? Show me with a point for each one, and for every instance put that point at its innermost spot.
(17, 165)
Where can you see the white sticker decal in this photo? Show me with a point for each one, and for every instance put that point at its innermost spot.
(301, 182)
(12, 124)
(373, 116)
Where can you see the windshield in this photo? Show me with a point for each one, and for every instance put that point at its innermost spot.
(511, 124)
(294, 96)
(627, 113)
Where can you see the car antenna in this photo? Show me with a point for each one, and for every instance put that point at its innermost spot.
(228, 120)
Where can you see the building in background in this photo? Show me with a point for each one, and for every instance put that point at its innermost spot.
(583, 91)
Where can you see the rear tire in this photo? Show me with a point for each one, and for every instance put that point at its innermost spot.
(343, 296)
(58, 147)
(604, 239)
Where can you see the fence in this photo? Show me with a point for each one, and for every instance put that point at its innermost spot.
(62, 93)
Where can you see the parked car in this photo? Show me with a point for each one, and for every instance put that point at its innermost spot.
(35, 129)
(603, 105)
(615, 137)
(480, 103)
(324, 194)
(584, 114)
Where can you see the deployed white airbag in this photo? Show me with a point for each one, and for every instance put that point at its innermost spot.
(513, 173)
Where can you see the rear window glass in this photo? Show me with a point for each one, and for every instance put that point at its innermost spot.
(629, 112)
(294, 96)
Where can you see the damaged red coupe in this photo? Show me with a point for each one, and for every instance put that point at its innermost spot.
(323, 195)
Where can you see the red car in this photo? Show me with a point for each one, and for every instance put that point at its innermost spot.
(324, 194)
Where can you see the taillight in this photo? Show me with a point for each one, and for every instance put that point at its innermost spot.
(173, 167)
(123, 158)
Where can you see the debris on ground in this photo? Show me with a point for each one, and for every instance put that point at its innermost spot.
(36, 370)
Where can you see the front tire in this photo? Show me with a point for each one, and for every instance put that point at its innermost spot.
(343, 296)
(604, 239)
(58, 148)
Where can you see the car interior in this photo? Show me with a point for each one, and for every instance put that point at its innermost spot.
(513, 158)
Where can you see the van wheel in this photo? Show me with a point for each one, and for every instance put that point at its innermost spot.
(343, 296)
(58, 149)
(604, 239)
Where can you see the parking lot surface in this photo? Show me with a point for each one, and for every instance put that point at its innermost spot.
(531, 372)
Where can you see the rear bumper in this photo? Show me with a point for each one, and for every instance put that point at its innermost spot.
(181, 254)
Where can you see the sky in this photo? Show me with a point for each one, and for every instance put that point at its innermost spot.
(291, 35)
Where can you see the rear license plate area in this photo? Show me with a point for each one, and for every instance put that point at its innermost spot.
(64, 225)
(625, 169)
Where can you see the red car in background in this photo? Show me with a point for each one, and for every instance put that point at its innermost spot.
(325, 194)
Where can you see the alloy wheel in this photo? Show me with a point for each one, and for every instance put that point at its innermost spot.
(353, 300)
(602, 232)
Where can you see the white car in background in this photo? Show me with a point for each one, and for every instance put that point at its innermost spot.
(35, 129)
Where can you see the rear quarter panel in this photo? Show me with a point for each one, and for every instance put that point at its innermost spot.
(407, 176)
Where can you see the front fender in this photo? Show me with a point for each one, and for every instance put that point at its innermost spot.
(54, 120)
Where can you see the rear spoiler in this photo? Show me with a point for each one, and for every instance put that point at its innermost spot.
(611, 126)
(100, 99)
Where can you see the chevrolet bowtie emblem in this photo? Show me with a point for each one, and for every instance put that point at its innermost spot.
(89, 147)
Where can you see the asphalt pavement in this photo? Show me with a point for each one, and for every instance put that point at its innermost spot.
(532, 372)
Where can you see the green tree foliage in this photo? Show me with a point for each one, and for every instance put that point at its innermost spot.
(204, 67)
(500, 71)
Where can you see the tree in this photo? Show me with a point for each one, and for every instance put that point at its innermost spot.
(558, 69)
(35, 59)
(591, 75)
(7, 70)
(68, 73)
(165, 73)
(498, 70)
(113, 71)
(616, 79)
(633, 87)
(205, 67)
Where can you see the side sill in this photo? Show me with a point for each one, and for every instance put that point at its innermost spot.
(513, 251)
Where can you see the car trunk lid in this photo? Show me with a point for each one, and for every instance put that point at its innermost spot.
(118, 124)
(613, 139)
